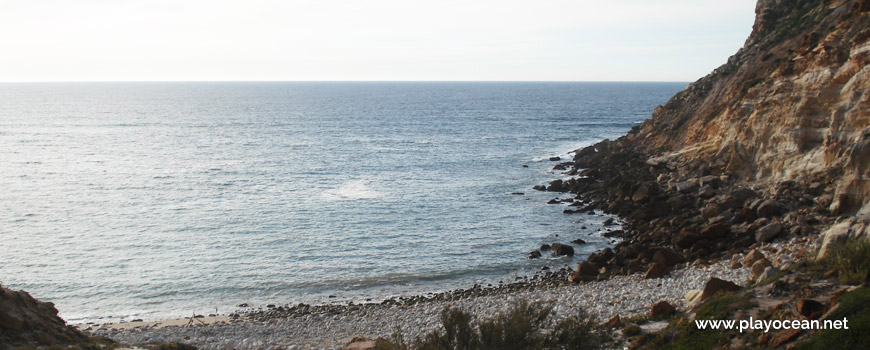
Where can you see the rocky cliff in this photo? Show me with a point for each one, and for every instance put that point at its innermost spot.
(773, 144)
(27, 321)
(792, 104)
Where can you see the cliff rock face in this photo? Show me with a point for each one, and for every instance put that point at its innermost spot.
(27, 321)
(792, 104)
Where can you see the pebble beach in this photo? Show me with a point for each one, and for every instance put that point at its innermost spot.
(332, 327)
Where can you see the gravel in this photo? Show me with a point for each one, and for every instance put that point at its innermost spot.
(622, 295)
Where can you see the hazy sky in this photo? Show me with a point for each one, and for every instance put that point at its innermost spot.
(601, 40)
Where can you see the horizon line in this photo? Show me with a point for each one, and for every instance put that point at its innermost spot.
(339, 81)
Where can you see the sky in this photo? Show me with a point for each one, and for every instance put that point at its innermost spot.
(369, 40)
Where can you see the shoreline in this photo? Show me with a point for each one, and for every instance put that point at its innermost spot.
(330, 326)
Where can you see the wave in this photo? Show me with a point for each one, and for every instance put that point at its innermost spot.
(356, 189)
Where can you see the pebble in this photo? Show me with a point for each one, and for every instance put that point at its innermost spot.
(625, 296)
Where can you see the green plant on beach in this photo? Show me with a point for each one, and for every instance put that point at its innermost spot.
(524, 326)
(854, 306)
(851, 259)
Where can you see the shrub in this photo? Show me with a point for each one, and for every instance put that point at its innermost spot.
(631, 330)
(523, 326)
(851, 259)
(854, 306)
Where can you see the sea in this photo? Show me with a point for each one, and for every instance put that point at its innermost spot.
(154, 200)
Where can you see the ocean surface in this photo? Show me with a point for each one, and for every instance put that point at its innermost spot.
(153, 200)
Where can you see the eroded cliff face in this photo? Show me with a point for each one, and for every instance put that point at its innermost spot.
(27, 321)
(792, 104)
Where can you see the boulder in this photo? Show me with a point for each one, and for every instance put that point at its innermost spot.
(577, 277)
(736, 198)
(758, 267)
(534, 254)
(716, 230)
(545, 247)
(642, 194)
(686, 239)
(587, 268)
(769, 272)
(769, 208)
(578, 241)
(668, 257)
(715, 285)
(558, 249)
(753, 256)
(601, 257)
(613, 322)
(685, 186)
(656, 270)
(540, 188)
(557, 186)
(768, 232)
(661, 310)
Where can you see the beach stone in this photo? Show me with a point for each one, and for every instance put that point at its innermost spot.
(685, 186)
(769, 272)
(753, 256)
(613, 322)
(545, 247)
(736, 198)
(577, 277)
(657, 270)
(578, 241)
(601, 257)
(716, 230)
(769, 208)
(715, 285)
(587, 268)
(534, 254)
(558, 249)
(661, 310)
(608, 222)
(768, 232)
(686, 239)
(668, 257)
(758, 267)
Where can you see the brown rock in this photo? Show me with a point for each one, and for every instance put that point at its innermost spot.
(361, 343)
(758, 267)
(752, 257)
(613, 322)
(769, 208)
(716, 230)
(577, 277)
(588, 268)
(657, 270)
(768, 232)
(558, 249)
(686, 238)
(810, 308)
(715, 285)
(601, 257)
(661, 310)
(668, 257)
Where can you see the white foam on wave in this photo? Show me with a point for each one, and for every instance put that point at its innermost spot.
(356, 189)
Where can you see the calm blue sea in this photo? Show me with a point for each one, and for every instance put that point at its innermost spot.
(152, 200)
